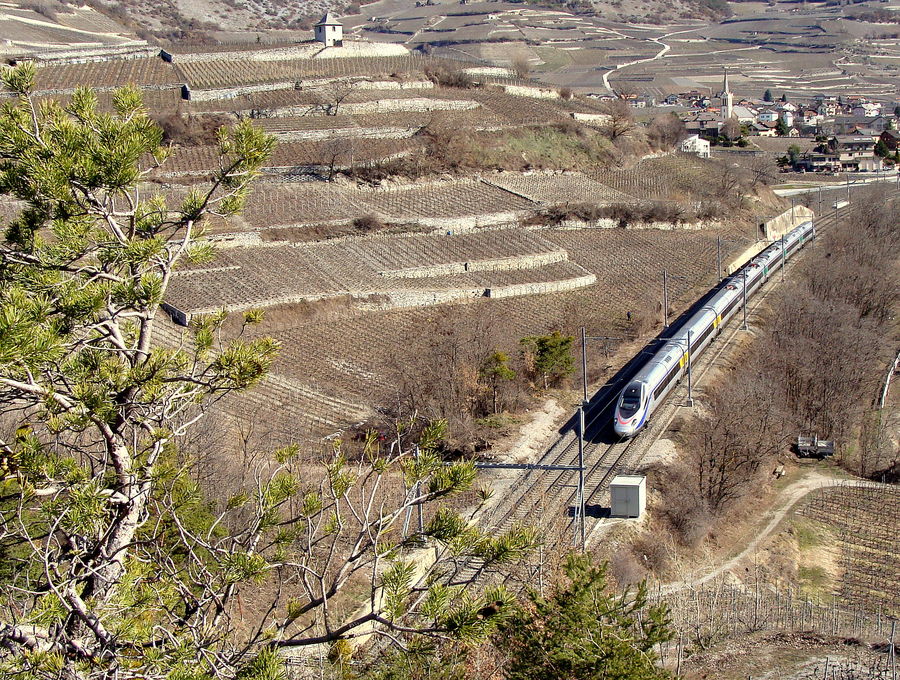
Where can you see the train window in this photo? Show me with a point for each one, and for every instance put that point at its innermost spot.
(665, 381)
(631, 400)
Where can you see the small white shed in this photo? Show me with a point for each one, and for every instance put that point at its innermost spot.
(628, 494)
(329, 31)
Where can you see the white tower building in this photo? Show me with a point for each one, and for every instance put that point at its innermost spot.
(329, 31)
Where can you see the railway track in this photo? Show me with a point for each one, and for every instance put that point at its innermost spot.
(549, 498)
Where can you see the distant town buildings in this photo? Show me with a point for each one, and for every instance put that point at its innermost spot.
(329, 31)
(850, 132)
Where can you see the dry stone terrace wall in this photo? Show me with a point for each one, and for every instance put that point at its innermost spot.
(419, 269)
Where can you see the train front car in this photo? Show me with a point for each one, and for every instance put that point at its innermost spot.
(631, 411)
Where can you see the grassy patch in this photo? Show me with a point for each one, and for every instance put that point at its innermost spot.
(552, 58)
(499, 420)
(810, 534)
(814, 582)
(545, 147)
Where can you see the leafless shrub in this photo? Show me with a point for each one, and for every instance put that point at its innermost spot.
(666, 131)
(191, 130)
(368, 223)
(623, 213)
(565, 93)
(650, 550)
(521, 67)
(45, 8)
(445, 77)
(626, 569)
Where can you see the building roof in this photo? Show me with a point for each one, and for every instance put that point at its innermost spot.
(328, 20)
(850, 139)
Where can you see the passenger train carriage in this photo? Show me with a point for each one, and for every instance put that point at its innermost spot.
(659, 375)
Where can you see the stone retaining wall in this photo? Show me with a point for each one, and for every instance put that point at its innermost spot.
(773, 229)
(535, 92)
(594, 118)
(469, 223)
(133, 49)
(211, 94)
(542, 287)
(344, 133)
(488, 265)
(609, 223)
(415, 105)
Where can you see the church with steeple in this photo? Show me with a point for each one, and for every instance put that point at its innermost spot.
(726, 98)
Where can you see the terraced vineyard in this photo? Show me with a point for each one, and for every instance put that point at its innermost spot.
(662, 178)
(392, 266)
(150, 72)
(442, 204)
(199, 160)
(553, 189)
(233, 73)
(866, 522)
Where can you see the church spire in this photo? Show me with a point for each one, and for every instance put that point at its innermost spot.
(727, 99)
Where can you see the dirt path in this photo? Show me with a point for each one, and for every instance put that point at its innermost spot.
(787, 499)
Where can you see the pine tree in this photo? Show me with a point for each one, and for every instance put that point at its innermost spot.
(549, 356)
(582, 632)
(115, 564)
(767, 96)
(496, 370)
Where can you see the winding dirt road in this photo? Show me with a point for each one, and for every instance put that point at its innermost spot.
(789, 497)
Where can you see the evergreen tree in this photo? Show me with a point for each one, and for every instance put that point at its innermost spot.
(115, 565)
(781, 128)
(496, 370)
(583, 632)
(767, 96)
(549, 356)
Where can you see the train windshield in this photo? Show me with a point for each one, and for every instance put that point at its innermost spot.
(631, 400)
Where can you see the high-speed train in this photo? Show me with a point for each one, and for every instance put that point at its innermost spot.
(661, 372)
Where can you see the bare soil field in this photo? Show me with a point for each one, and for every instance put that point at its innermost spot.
(26, 30)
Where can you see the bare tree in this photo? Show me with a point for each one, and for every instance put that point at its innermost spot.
(666, 131)
(620, 120)
(521, 67)
(731, 129)
(761, 170)
(335, 94)
(337, 151)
